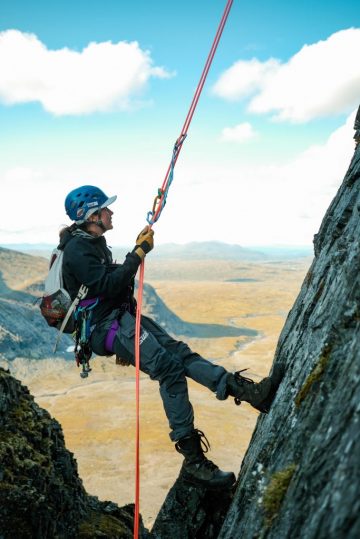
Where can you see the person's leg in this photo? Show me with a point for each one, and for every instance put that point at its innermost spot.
(216, 378)
(197, 368)
(170, 361)
(162, 366)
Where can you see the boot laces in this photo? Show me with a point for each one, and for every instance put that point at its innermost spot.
(240, 378)
(205, 446)
(204, 442)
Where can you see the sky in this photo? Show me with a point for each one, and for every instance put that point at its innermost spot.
(97, 93)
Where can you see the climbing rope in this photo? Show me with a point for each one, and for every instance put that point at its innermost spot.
(152, 217)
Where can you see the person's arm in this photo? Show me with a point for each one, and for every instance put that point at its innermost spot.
(84, 262)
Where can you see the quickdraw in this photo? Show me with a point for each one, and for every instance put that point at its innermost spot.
(160, 199)
(82, 349)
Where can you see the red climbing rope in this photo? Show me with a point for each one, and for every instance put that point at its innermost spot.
(137, 391)
(158, 206)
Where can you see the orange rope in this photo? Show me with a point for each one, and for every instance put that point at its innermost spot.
(157, 207)
(137, 391)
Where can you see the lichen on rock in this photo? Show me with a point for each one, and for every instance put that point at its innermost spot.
(314, 376)
(275, 492)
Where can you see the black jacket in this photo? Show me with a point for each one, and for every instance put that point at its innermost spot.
(88, 261)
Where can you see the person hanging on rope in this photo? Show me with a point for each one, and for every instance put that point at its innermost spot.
(88, 261)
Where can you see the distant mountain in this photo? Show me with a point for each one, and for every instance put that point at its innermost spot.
(202, 250)
(34, 249)
(24, 247)
(24, 333)
(285, 252)
(197, 250)
(207, 250)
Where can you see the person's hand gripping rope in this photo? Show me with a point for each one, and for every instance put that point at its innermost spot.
(144, 242)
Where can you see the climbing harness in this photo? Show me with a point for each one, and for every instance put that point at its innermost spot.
(152, 217)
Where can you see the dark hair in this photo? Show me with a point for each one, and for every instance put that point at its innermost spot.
(71, 228)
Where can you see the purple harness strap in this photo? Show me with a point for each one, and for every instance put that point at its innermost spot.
(87, 302)
(110, 337)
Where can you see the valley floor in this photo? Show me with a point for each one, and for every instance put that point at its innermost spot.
(98, 414)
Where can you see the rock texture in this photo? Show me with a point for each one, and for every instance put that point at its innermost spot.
(300, 477)
(301, 474)
(191, 512)
(41, 494)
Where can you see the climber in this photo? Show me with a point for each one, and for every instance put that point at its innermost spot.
(88, 261)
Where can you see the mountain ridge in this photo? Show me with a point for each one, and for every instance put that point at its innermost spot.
(196, 250)
(24, 333)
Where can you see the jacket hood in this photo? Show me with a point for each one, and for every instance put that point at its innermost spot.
(79, 233)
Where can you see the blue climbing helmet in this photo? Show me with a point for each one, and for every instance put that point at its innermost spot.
(80, 203)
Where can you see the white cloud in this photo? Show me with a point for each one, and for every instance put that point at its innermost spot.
(101, 77)
(244, 78)
(321, 79)
(239, 133)
(258, 204)
(217, 199)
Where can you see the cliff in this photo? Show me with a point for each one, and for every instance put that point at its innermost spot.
(41, 494)
(300, 477)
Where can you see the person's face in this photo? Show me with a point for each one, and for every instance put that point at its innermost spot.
(105, 217)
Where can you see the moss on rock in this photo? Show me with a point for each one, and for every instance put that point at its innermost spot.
(314, 376)
(275, 492)
(101, 525)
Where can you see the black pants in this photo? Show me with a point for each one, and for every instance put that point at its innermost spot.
(169, 362)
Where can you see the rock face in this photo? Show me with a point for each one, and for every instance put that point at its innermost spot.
(300, 477)
(191, 512)
(301, 474)
(41, 494)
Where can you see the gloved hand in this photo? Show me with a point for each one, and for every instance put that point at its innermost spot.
(144, 242)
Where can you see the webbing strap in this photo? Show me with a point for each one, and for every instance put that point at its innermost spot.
(110, 336)
(153, 216)
(91, 302)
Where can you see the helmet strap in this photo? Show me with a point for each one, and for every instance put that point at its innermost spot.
(99, 222)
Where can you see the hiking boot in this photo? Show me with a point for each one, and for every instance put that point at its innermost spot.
(197, 468)
(260, 395)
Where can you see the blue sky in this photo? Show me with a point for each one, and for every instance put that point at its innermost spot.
(268, 146)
